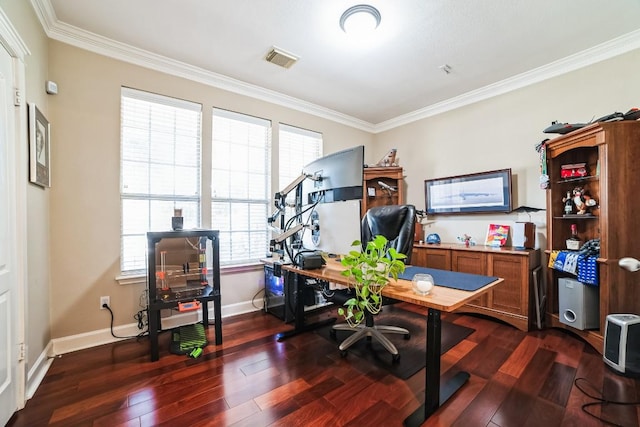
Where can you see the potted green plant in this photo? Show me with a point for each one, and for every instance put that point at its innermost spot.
(369, 272)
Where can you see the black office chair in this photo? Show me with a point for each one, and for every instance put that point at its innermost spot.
(396, 223)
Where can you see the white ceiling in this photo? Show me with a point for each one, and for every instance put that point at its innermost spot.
(492, 46)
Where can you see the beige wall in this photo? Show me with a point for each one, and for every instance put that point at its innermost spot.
(501, 133)
(37, 324)
(74, 226)
(85, 203)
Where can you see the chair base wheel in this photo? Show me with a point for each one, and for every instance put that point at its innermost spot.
(407, 336)
(343, 353)
(333, 335)
(395, 358)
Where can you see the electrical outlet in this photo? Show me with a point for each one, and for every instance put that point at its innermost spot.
(103, 301)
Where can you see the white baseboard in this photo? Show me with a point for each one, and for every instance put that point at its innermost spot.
(103, 336)
(38, 370)
(59, 346)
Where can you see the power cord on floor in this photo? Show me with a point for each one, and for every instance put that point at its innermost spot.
(600, 400)
(141, 334)
(253, 298)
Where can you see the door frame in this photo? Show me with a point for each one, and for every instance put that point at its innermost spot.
(14, 45)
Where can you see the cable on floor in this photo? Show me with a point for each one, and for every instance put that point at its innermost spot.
(600, 400)
(140, 335)
(253, 298)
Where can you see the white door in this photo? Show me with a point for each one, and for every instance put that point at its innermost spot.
(8, 285)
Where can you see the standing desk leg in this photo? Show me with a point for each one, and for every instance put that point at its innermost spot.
(154, 324)
(436, 394)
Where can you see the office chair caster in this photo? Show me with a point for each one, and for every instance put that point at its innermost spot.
(407, 337)
(343, 353)
(333, 335)
(395, 358)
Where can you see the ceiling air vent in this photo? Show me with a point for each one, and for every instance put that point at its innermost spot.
(281, 58)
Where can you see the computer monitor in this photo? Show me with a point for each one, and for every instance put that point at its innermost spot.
(338, 226)
(334, 177)
(332, 201)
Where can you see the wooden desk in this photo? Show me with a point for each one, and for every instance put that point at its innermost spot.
(440, 299)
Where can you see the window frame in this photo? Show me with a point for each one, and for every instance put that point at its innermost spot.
(133, 265)
(241, 246)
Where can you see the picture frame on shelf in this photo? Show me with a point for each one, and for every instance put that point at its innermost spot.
(497, 235)
(473, 193)
(39, 147)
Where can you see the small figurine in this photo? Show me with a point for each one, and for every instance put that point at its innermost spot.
(467, 240)
(389, 159)
(582, 201)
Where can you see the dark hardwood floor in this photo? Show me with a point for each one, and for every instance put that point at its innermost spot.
(517, 379)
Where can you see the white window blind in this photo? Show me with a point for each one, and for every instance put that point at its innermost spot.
(298, 147)
(240, 185)
(159, 169)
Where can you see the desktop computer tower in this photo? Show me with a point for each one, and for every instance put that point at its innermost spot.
(275, 294)
(578, 304)
(280, 297)
(622, 344)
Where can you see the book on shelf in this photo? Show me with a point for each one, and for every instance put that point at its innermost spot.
(497, 235)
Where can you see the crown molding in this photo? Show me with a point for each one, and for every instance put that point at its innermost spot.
(92, 42)
(10, 39)
(101, 45)
(601, 52)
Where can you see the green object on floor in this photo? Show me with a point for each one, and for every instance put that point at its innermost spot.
(186, 339)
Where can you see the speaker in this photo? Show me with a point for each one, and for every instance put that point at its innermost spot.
(524, 235)
(622, 344)
(578, 304)
(418, 232)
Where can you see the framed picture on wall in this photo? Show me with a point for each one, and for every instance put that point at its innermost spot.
(39, 147)
(472, 193)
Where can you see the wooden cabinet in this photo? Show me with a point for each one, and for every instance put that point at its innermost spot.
(375, 194)
(610, 152)
(436, 258)
(511, 300)
(512, 297)
(471, 262)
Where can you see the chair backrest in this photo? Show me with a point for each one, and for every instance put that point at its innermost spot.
(395, 222)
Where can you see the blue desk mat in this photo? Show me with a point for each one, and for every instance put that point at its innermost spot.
(450, 279)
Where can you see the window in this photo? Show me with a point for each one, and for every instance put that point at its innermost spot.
(159, 169)
(298, 147)
(240, 185)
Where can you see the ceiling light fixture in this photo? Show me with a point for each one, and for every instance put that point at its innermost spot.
(360, 19)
